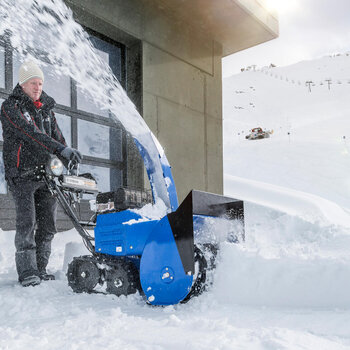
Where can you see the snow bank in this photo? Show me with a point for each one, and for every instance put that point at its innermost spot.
(310, 207)
(247, 278)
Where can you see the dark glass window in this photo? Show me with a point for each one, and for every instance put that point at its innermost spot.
(111, 54)
(93, 139)
(65, 123)
(3, 187)
(1, 138)
(2, 66)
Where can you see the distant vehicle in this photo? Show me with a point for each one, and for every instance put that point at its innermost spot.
(258, 133)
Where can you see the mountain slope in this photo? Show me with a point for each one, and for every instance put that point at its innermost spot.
(309, 149)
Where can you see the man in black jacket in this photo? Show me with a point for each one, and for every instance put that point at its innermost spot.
(31, 135)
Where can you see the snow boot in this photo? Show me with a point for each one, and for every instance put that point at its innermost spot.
(30, 281)
(44, 276)
(26, 265)
(42, 256)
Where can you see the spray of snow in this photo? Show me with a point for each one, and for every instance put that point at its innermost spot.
(46, 31)
(217, 230)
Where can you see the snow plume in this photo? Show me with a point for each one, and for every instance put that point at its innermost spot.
(217, 230)
(46, 31)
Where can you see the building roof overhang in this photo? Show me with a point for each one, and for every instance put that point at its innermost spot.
(236, 24)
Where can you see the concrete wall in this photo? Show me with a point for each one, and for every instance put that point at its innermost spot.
(182, 101)
(181, 86)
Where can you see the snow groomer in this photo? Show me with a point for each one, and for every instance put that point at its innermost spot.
(31, 136)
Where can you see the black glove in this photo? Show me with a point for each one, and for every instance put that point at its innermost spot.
(71, 154)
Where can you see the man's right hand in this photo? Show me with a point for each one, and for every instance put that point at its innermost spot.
(71, 154)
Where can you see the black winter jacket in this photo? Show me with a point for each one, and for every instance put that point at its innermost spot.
(30, 134)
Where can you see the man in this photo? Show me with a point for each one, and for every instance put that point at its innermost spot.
(31, 135)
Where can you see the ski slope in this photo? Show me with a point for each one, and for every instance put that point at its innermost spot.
(309, 149)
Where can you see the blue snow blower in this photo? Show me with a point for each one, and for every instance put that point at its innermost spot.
(130, 252)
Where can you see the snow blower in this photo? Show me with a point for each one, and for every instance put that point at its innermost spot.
(130, 253)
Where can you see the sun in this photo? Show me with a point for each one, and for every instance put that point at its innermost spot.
(280, 6)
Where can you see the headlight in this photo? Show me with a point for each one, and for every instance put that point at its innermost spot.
(79, 183)
(55, 166)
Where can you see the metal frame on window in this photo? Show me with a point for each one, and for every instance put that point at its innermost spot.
(73, 112)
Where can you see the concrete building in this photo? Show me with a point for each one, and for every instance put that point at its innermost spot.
(181, 44)
(167, 54)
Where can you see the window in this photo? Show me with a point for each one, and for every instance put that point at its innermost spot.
(65, 124)
(3, 187)
(108, 53)
(84, 125)
(2, 67)
(84, 101)
(102, 176)
(93, 140)
(1, 138)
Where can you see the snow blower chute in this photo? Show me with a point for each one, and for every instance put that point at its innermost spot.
(158, 257)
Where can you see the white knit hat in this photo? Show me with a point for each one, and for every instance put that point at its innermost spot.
(29, 70)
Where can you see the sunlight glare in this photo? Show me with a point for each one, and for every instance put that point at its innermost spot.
(281, 6)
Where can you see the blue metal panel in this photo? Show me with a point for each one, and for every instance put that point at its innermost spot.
(168, 176)
(162, 275)
(159, 173)
(114, 237)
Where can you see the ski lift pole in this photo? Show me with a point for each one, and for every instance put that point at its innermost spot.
(345, 144)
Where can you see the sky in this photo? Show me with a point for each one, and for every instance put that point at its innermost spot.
(308, 29)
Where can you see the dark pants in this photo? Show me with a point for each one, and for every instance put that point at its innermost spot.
(36, 209)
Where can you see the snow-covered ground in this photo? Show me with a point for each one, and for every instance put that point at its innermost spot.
(286, 287)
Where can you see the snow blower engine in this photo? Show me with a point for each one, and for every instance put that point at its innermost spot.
(165, 258)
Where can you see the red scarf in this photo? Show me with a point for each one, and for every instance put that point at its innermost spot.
(37, 104)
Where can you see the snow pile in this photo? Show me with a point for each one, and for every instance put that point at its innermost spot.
(152, 212)
(285, 261)
(148, 212)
